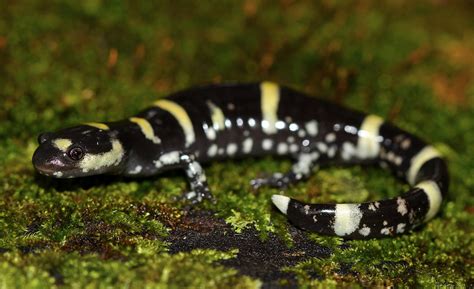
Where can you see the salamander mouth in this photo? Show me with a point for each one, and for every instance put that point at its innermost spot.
(48, 170)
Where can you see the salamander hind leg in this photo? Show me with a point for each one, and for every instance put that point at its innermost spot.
(301, 169)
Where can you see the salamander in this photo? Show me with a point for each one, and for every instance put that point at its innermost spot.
(221, 121)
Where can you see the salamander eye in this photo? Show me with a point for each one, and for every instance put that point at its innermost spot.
(76, 153)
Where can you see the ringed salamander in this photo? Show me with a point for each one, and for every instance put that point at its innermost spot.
(217, 122)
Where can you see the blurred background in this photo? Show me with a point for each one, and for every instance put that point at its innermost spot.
(105, 59)
(65, 62)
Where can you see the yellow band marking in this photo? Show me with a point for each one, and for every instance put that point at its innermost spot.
(217, 116)
(433, 193)
(62, 143)
(96, 162)
(426, 154)
(146, 129)
(368, 143)
(181, 116)
(98, 125)
(269, 100)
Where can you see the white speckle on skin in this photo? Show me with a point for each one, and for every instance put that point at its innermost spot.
(312, 128)
(402, 206)
(348, 151)
(293, 127)
(220, 151)
(293, 148)
(330, 137)
(365, 231)
(305, 163)
(282, 148)
(398, 160)
(247, 145)
(278, 175)
(306, 209)
(58, 174)
(167, 159)
(374, 206)
(390, 156)
(195, 169)
(385, 223)
(332, 151)
(280, 124)
(231, 149)
(386, 231)
(228, 123)
(62, 144)
(190, 195)
(212, 151)
(94, 162)
(210, 132)
(405, 144)
(411, 216)
(252, 122)
(322, 147)
(347, 219)
(267, 144)
(136, 170)
(401, 228)
(290, 139)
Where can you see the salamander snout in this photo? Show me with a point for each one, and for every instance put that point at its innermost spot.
(48, 161)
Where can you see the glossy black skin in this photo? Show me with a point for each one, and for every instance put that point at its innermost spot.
(240, 104)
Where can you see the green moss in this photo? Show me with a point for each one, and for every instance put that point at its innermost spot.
(61, 64)
(163, 271)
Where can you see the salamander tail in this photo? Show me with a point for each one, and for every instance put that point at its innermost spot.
(281, 202)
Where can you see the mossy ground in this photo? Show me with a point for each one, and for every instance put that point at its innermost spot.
(61, 63)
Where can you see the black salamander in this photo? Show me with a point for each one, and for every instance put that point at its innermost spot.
(217, 122)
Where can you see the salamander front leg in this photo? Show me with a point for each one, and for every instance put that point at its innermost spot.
(194, 174)
(196, 178)
(302, 169)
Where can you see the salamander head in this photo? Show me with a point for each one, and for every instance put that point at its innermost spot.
(78, 151)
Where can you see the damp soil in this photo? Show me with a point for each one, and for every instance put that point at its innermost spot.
(262, 258)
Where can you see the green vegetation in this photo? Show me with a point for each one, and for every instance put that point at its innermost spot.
(411, 62)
